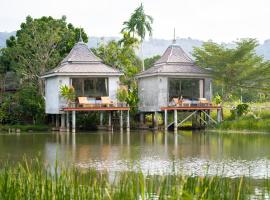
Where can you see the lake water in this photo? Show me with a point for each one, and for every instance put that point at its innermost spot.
(196, 153)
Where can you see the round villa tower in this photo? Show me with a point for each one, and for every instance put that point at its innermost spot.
(174, 75)
(88, 75)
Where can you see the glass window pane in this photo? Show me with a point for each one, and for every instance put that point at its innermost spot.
(77, 84)
(187, 88)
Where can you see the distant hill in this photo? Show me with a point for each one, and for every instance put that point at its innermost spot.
(156, 46)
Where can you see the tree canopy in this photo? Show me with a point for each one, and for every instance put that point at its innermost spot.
(139, 24)
(39, 46)
(234, 68)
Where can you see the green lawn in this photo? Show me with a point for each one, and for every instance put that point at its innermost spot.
(257, 119)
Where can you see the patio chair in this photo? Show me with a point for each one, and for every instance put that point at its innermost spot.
(106, 101)
(204, 102)
(87, 102)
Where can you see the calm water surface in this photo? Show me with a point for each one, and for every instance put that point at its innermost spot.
(194, 153)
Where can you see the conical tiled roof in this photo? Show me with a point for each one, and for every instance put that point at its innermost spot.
(81, 53)
(175, 61)
(82, 61)
(174, 54)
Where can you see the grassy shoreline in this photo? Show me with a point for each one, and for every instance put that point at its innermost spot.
(25, 128)
(31, 180)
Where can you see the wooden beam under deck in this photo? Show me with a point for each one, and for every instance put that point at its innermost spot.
(183, 108)
(96, 109)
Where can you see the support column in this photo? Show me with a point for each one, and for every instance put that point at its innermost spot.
(73, 121)
(67, 121)
(53, 120)
(156, 120)
(165, 120)
(101, 118)
(110, 119)
(128, 124)
(141, 119)
(121, 119)
(62, 128)
(57, 121)
(175, 120)
(218, 115)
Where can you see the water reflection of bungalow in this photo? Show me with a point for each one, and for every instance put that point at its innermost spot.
(89, 76)
(174, 81)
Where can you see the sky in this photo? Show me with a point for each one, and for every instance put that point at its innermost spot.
(218, 20)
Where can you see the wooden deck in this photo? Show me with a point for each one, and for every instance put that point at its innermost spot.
(96, 109)
(191, 108)
(101, 110)
(200, 113)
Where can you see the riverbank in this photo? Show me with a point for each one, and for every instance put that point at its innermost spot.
(256, 120)
(24, 128)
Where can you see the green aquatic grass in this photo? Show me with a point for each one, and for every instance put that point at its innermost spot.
(31, 180)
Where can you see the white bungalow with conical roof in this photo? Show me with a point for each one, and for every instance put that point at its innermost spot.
(174, 75)
(81, 69)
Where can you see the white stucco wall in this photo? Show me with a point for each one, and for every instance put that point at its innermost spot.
(53, 101)
(148, 89)
(113, 87)
(208, 89)
(163, 91)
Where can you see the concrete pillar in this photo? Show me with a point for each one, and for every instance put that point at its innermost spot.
(101, 116)
(53, 120)
(218, 115)
(165, 120)
(128, 123)
(175, 120)
(121, 119)
(155, 120)
(110, 119)
(57, 121)
(62, 128)
(141, 119)
(73, 121)
(67, 121)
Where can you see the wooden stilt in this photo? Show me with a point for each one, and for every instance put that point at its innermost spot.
(141, 119)
(121, 119)
(67, 121)
(155, 120)
(110, 120)
(101, 118)
(165, 120)
(53, 120)
(128, 123)
(175, 120)
(57, 121)
(218, 115)
(73, 121)
(62, 128)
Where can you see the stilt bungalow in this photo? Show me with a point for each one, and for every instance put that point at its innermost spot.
(95, 85)
(175, 83)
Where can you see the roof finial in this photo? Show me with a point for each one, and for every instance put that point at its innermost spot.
(80, 39)
(174, 40)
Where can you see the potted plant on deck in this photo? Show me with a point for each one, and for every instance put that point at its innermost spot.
(68, 93)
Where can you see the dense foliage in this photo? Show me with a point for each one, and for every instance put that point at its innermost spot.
(149, 62)
(237, 71)
(121, 54)
(38, 46)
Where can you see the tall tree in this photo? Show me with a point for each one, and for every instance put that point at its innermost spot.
(234, 68)
(139, 24)
(120, 54)
(39, 46)
(149, 62)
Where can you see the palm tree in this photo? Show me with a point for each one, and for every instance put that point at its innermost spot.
(139, 24)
